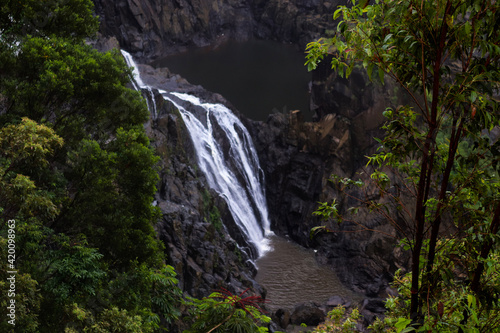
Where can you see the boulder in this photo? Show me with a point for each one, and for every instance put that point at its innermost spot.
(371, 309)
(282, 318)
(335, 301)
(309, 313)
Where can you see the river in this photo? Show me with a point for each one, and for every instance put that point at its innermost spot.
(291, 275)
(258, 77)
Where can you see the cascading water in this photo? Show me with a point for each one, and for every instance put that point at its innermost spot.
(244, 194)
(234, 172)
(137, 82)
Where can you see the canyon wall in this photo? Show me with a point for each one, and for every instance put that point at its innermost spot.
(300, 157)
(154, 28)
(297, 158)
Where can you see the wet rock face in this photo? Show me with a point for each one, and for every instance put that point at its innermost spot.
(197, 228)
(153, 28)
(358, 99)
(298, 159)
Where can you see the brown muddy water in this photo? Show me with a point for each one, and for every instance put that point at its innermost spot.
(291, 275)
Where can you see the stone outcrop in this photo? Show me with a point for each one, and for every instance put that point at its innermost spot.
(307, 313)
(153, 28)
(358, 99)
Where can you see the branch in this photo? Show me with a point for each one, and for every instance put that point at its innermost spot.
(222, 322)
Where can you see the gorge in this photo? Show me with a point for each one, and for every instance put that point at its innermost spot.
(290, 274)
(297, 157)
(135, 200)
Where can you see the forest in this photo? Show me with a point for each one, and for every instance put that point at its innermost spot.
(78, 175)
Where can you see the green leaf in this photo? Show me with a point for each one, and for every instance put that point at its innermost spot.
(470, 300)
(401, 324)
(473, 96)
(348, 71)
(369, 70)
(337, 13)
(467, 28)
(387, 38)
(381, 74)
(408, 329)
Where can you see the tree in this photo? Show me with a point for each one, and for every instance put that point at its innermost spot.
(23, 146)
(106, 176)
(86, 251)
(72, 19)
(445, 55)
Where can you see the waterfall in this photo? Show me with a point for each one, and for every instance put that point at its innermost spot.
(137, 82)
(230, 163)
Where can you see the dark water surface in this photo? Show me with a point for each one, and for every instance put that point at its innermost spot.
(257, 77)
(291, 275)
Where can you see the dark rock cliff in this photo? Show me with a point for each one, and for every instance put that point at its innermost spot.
(153, 28)
(299, 158)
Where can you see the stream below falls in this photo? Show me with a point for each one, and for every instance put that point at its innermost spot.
(291, 275)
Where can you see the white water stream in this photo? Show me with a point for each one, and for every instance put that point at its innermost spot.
(235, 173)
(138, 83)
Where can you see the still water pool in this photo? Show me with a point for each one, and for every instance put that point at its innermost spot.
(257, 77)
(291, 275)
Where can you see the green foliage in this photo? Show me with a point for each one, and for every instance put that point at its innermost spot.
(72, 272)
(129, 290)
(72, 19)
(78, 176)
(326, 211)
(210, 209)
(226, 312)
(25, 147)
(116, 182)
(446, 315)
(109, 320)
(27, 297)
(441, 153)
(339, 322)
(76, 88)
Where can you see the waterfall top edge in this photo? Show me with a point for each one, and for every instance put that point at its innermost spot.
(135, 71)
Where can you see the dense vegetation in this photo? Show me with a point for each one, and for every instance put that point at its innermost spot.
(77, 175)
(437, 172)
(77, 178)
